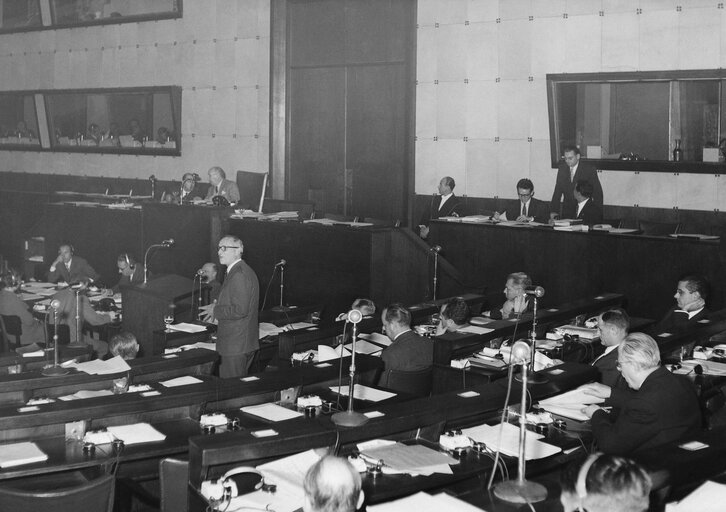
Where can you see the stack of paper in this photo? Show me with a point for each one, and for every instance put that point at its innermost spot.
(709, 497)
(570, 404)
(377, 338)
(508, 444)
(423, 502)
(363, 393)
(415, 459)
(99, 367)
(180, 381)
(136, 433)
(16, 454)
(186, 327)
(271, 412)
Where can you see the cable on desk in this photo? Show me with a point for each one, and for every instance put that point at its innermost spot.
(501, 423)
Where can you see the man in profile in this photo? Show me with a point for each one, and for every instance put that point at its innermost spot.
(445, 204)
(529, 209)
(210, 272)
(235, 311)
(69, 268)
(613, 326)
(220, 186)
(691, 295)
(409, 351)
(568, 174)
(587, 210)
(129, 270)
(332, 485)
(190, 189)
(454, 315)
(661, 408)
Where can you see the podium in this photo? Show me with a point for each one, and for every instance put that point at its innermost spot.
(144, 307)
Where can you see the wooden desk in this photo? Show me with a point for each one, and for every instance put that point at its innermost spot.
(569, 264)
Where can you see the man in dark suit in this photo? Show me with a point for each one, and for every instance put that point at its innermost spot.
(70, 268)
(131, 272)
(67, 300)
(613, 326)
(662, 407)
(219, 185)
(445, 204)
(588, 210)
(189, 191)
(528, 209)
(568, 173)
(210, 273)
(691, 295)
(409, 351)
(235, 311)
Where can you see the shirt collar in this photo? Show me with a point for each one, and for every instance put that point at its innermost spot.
(229, 267)
(446, 197)
(401, 333)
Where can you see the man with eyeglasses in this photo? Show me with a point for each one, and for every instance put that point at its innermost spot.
(660, 408)
(528, 209)
(235, 311)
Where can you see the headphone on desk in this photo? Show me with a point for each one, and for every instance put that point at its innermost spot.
(235, 482)
(581, 486)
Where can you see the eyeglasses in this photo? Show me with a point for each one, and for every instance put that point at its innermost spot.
(225, 247)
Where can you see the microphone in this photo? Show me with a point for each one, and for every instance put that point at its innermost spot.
(354, 316)
(168, 243)
(152, 178)
(435, 248)
(537, 291)
(520, 352)
(55, 304)
(200, 272)
(280, 263)
(196, 177)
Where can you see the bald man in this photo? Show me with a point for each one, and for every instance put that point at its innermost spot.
(332, 485)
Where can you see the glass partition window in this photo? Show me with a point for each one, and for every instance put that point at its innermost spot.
(141, 120)
(19, 14)
(73, 12)
(640, 117)
(18, 120)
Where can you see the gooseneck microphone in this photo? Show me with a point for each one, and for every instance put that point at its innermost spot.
(200, 272)
(537, 291)
(55, 304)
(281, 263)
(169, 242)
(435, 248)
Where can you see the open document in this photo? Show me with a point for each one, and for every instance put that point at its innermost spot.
(570, 404)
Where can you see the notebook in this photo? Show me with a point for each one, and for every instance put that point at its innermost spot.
(17, 454)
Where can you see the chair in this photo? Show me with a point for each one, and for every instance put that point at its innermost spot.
(652, 228)
(11, 326)
(416, 382)
(173, 481)
(252, 187)
(94, 496)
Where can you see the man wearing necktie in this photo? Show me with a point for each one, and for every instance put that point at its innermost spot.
(569, 172)
(70, 268)
(691, 296)
(221, 186)
(443, 204)
(529, 209)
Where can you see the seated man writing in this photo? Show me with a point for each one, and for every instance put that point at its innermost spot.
(661, 408)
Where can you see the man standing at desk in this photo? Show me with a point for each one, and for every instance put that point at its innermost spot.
(568, 173)
(235, 311)
(219, 185)
(445, 204)
(70, 268)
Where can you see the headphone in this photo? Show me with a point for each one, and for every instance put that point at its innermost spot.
(581, 486)
(130, 262)
(236, 482)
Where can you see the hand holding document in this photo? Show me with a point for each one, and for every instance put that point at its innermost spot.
(571, 404)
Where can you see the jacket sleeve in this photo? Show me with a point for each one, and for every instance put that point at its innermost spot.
(238, 306)
(633, 427)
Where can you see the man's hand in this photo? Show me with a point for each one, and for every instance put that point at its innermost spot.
(206, 314)
(524, 218)
(497, 216)
(423, 231)
(590, 410)
(596, 389)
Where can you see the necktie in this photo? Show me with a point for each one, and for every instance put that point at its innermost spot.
(524, 209)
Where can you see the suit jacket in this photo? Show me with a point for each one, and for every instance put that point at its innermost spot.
(197, 191)
(540, 210)
(451, 206)
(227, 189)
(408, 353)
(136, 278)
(607, 366)
(496, 312)
(676, 320)
(11, 305)
(591, 213)
(67, 311)
(236, 312)
(564, 187)
(663, 410)
(80, 269)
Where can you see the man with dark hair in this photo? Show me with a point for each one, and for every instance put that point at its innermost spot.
(332, 485)
(219, 185)
(661, 408)
(691, 295)
(589, 211)
(529, 208)
(210, 272)
(69, 268)
(613, 325)
(131, 272)
(235, 311)
(445, 204)
(409, 351)
(189, 191)
(570, 171)
(454, 315)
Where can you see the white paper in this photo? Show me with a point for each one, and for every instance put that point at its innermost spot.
(570, 404)
(16, 454)
(99, 367)
(474, 329)
(509, 445)
(328, 353)
(709, 497)
(422, 502)
(186, 327)
(136, 433)
(271, 412)
(377, 338)
(364, 347)
(414, 458)
(180, 381)
(363, 393)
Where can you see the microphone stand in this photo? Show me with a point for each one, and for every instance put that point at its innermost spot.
(521, 490)
(146, 255)
(536, 378)
(56, 369)
(79, 321)
(281, 308)
(351, 418)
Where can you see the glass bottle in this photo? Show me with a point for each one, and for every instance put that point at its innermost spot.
(677, 151)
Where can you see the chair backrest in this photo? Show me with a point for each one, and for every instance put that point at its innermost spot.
(4, 339)
(173, 482)
(649, 227)
(251, 189)
(94, 496)
(13, 326)
(416, 382)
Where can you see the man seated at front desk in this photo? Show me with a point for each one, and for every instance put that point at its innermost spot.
(528, 209)
(409, 351)
(69, 268)
(11, 305)
(515, 293)
(661, 408)
(454, 315)
(129, 270)
(220, 186)
(613, 326)
(366, 307)
(587, 209)
(190, 190)
(332, 485)
(691, 296)
(443, 204)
